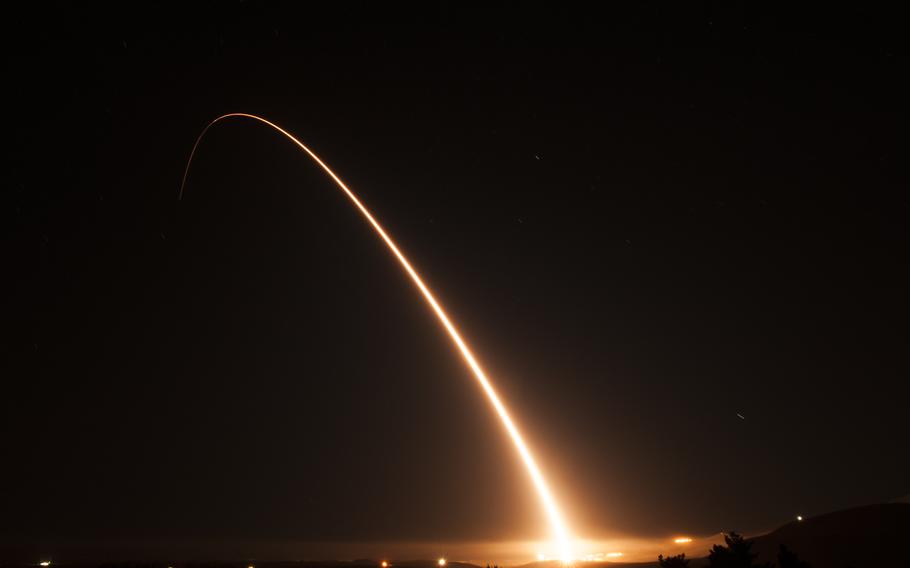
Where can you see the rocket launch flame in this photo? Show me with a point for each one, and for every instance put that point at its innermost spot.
(557, 524)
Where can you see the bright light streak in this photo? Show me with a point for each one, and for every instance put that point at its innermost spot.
(682, 540)
(44, 563)
(441, 562)
(614, 554)
(557, 525)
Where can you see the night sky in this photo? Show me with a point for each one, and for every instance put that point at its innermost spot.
(646, 222)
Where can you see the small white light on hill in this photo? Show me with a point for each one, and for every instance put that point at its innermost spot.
(44, 563)
(799, 517)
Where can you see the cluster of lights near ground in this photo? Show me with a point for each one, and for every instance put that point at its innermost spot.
(441, 562)
(596, 557)
(604, 556)
(386, 563)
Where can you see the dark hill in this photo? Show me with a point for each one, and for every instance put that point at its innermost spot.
(864, 537)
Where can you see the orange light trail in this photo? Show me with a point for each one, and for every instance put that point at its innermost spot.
(557, 525)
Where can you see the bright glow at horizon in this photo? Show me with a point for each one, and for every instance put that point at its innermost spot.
(44, 563)
(441, 562)
(682, 540)
(384, 564)
(557, 525)
(595, 557)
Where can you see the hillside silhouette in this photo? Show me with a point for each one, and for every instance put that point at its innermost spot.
(869, 536)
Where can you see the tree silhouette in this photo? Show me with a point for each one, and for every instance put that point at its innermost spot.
(786, 558)
(737, 554)
(678, 561)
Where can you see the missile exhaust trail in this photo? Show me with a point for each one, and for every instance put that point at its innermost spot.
(557, 525)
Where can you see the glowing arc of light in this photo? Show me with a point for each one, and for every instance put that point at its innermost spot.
(558, 526)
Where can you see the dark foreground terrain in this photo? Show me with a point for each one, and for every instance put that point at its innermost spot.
(870, 536)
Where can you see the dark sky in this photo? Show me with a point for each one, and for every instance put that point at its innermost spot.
(645, 222)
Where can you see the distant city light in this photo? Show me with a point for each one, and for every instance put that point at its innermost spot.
(44, 563)
(799, 517)
(682, 540)
(441, 562)
(384, 564)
